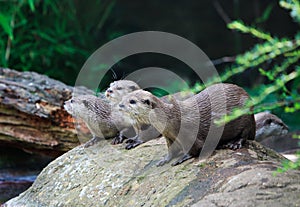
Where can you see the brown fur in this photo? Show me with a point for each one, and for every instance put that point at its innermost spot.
(120, 88)
(96, 113)
(179, 121)
(103, 119)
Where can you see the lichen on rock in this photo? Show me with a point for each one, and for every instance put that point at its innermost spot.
(106, 175)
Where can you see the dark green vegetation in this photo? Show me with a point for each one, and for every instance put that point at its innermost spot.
(283, 75)
(278, 60)
(56, 37)
(52, 37)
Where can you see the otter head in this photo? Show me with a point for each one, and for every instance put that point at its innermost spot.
(268, 125)
(118, 89)
(80, 106)
(139, 104)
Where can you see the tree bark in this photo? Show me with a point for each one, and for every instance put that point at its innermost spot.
(32, 116)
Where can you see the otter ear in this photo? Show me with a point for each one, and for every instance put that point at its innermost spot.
(149, 103)
(85, 103)
(153, 105)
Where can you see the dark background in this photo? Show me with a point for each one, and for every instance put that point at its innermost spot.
(59, 36)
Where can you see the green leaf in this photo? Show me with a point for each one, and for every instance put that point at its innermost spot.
(46, 37)
(5, 24)
(31, 5)
(266, 14)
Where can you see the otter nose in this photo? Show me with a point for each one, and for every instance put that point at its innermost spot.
(121, 105)
(109, 91)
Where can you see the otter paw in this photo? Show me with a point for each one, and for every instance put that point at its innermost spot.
(182, 159)
(165, 160)
(118, 140)
(130, 140)
(234, 145)
(91, 142)
(161, 162)
(132, 144)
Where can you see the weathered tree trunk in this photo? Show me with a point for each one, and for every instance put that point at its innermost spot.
(32, 117)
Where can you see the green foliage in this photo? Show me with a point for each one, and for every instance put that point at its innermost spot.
(287, 164)
(50, 36)
(294, 6)
(238, 25)
(266, 14)
(284, 54)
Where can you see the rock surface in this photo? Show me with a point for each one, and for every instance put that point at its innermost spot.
(106, 175)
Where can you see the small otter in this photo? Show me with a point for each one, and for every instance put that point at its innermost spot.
(102, 120)
(117, 90)
(96, 113)
(114, 94)
(267, 125)
(178, 120)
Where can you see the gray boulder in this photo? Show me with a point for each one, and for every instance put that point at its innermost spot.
(106, 175)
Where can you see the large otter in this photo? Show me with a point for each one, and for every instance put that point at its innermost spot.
(179, 120)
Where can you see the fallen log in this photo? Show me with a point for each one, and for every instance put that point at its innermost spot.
(32, 117)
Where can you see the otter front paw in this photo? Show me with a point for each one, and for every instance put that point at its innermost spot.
(162, 162)
(165, 160)
(118, 140)
(91, 142)
(182, 159)
(132, 143)
(235, 144)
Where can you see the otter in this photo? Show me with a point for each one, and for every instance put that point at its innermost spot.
(179, 119)
(114, 94)
(102, 120)
(268, 125)
(96, 113)
(117, 90)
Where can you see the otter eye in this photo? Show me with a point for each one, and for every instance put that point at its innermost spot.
(268, 122)
(72, 101)
(119, 88)
(132, 88)
(132, 101)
